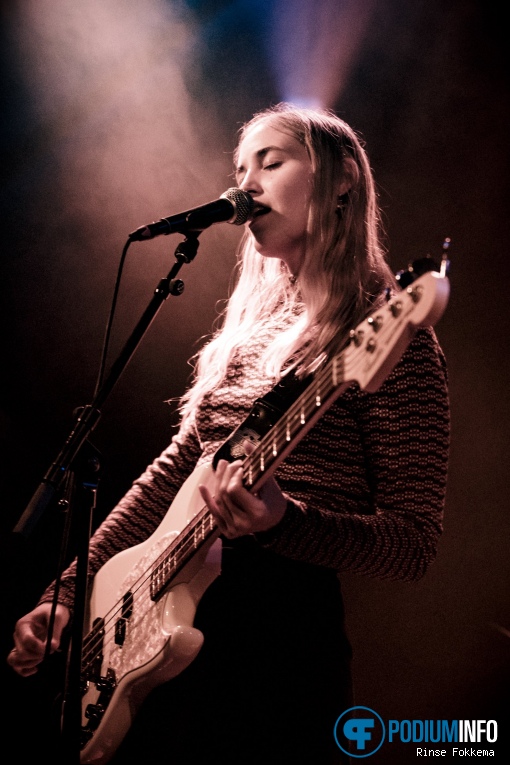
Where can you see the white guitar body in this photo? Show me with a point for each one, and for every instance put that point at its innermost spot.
(160, 640)
(144, 600)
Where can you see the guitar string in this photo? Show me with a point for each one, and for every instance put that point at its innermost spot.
(307, 403)
(288, 427)
(298, 409)
(109, 620)
(184, 542)
(180, 545)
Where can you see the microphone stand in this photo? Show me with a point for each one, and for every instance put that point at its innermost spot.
(79, 467)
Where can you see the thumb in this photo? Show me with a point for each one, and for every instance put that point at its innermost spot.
(249, 446)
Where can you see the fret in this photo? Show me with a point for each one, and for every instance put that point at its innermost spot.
(290, 426)
(178, 554)
(423, 303)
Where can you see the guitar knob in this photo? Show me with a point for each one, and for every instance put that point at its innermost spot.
(94, 713)
(107, 683)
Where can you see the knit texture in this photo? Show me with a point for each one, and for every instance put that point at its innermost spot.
(366, 486)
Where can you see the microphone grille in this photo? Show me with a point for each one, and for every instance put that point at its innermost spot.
(243, 205)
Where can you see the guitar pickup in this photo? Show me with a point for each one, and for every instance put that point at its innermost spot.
(120, 631)
(120, 624)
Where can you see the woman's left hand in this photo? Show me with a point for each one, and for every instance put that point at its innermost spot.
(236, 510)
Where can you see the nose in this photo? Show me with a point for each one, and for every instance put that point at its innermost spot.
(251, 182)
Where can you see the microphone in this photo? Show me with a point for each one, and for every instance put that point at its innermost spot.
(234, 206)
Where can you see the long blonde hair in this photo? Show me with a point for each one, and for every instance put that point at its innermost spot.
(343, 274)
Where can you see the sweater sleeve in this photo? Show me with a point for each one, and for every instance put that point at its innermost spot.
(140, 511)
(391, 529)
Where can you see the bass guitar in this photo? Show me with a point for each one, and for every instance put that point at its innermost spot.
(143, 601)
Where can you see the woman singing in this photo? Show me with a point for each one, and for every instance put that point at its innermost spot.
(363, 491)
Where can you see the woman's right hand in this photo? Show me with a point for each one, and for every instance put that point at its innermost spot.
(30, 635)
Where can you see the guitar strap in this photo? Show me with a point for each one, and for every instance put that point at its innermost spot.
(266, 411)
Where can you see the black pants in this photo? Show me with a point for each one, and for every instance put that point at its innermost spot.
(270, 681)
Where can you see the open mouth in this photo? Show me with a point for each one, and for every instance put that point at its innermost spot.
(260, 210)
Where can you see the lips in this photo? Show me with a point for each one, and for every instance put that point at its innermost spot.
(259, 210)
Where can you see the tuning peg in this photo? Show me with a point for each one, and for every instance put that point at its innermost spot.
(422, 265)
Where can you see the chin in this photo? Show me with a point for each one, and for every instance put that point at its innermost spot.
(291, 260)
(264, 250)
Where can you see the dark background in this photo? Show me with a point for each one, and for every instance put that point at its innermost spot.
(114, 115)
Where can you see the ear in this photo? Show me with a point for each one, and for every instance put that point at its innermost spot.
(350, 176)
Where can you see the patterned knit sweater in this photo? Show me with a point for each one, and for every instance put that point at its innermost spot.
(366, 485)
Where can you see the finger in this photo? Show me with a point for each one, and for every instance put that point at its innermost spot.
(249, 447)
(219, 510)
(61, 620)
(206, 494)
(25, 642)
(228, 484)
(22, 666)
(220, 470)
(236, 495)
(29, 652)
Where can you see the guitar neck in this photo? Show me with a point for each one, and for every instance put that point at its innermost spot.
(194, 535)
(375, 347)
(135, 644)
(276, 445)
